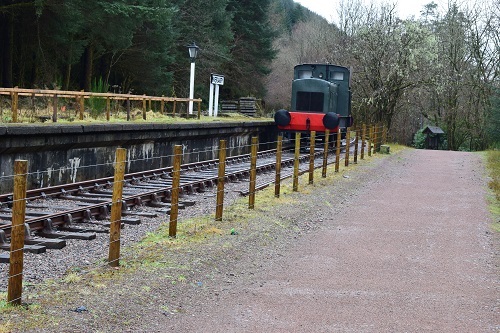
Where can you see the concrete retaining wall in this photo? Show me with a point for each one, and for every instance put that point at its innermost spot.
(59, 154)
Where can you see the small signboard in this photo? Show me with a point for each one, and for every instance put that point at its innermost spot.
(217, 79)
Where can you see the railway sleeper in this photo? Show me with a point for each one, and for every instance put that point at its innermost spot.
(143, 214)
(68, 226)
(130, 221)
(55, 244)
(4, 245)
(49, 231)
(88, 200)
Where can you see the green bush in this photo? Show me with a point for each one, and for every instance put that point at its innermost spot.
(97, 105)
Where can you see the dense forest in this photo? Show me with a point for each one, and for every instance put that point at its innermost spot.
(438, 68)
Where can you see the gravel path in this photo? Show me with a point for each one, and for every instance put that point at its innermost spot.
(399, 244)
(409, 252)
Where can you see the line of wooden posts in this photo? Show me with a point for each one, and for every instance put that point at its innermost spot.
(375, 138)
(80, 96)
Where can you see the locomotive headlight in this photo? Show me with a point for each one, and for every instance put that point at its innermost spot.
(320, 75)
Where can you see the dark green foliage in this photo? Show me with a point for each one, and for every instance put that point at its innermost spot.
(493, 120)
(97, 105)
(138, 45)
(252, 50)
(419, 139)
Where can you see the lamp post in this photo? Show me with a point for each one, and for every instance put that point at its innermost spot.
(193, 52)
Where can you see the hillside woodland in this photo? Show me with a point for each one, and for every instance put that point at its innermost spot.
(438, 68)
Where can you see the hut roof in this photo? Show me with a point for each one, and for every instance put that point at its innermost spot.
(433, 130)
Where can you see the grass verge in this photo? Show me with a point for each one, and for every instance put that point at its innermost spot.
(493, 167)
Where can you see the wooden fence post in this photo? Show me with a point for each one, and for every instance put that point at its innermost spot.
(347, 144)
(15, 284)
(363, 142)
(277, 181)
(253, 172)
(199, 109)
(370, 140)
(128, 108)
(173, 110)
(174, 201)
(325, 153)
(14, 104)
(54, 108)
(162, 105)
(337, 152)
(312, 144)
(220, 181)
(356, 144)
(108, 108)
(116, 208)
(296, 163)
(144, 107)
(82, 105)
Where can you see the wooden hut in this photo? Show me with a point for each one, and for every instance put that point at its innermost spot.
(432, 137)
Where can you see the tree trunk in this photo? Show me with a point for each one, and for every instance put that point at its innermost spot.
(8, 51)
(89, 58)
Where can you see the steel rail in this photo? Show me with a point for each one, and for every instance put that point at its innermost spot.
(95, 184)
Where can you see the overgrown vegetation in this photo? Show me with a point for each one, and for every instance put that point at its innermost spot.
(493, 166)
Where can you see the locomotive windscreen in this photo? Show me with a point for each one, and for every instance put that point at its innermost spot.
(310, 101)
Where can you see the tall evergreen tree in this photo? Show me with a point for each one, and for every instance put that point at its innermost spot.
(252, 50)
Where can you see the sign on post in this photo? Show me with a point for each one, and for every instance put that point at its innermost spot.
(216, 80)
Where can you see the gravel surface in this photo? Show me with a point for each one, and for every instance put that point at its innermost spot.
(399, 244)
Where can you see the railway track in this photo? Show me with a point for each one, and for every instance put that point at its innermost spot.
(82, 209)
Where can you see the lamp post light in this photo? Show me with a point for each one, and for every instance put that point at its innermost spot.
(193, 52)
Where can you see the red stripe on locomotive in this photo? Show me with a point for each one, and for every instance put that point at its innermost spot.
(306, 121)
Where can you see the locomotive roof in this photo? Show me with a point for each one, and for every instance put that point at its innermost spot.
(332, 65)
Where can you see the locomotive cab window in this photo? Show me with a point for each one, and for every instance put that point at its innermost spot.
(305, 74)
(310, 101)
(339, 76)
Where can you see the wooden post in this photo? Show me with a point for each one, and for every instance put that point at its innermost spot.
(277, 181)
(15, 284)
(370, 140)
(128, 109)
(356, 144)
(108, 108)
(174, 201)
(384, 135)
(82, 105)
(173, 111)
(347, 141)
(116, 209)
(337, 152)
(312, 143)
(150, 108)
(363, 142)
(220, 181)
(15, 101)
(54, 108)
(253, 172)
(296, 163)
(199, 109)
(375, 139)
(162, 105)
(325, 153)
(144, 107)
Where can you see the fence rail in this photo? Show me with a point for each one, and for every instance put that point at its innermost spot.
(81, 96)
